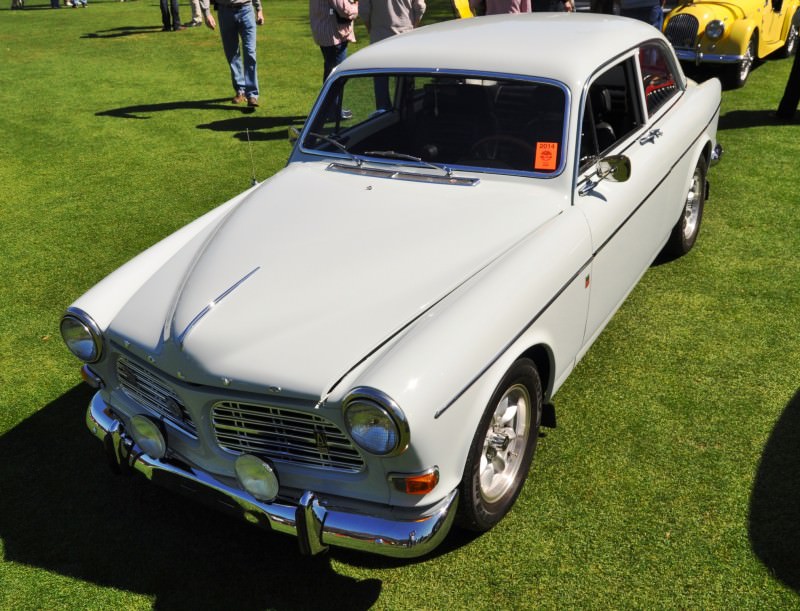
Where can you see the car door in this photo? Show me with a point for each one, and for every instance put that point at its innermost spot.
(626, 111)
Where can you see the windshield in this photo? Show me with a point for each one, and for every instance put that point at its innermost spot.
(447, 120)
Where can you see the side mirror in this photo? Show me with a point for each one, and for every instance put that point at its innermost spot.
(294, 134)
(616, 168)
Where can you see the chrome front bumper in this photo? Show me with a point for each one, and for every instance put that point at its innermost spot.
(698, 57)
(315, 524)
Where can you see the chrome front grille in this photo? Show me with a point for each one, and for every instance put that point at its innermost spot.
(149, 390)
(285, 435)
(682, 31)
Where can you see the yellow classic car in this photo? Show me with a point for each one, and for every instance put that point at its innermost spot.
(733, 33)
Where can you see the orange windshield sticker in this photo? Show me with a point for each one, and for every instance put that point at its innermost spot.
(546, 156)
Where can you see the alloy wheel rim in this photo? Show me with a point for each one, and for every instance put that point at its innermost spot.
(691, 211)
(504, 444)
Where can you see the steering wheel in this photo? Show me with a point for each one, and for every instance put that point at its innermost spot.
(486, 148)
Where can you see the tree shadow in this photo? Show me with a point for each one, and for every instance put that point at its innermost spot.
(64, 511)
(774, 521)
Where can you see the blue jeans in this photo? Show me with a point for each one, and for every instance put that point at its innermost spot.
(332, 56)
(236, 22)
(654, 15)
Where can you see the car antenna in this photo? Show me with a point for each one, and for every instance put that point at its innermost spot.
(253, 181)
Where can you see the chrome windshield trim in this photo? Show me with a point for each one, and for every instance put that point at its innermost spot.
(422, 71)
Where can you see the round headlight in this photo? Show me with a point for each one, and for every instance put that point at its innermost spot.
(82, 337)
(715, 29)
(375, 422)
(257, 477)
(148, 436)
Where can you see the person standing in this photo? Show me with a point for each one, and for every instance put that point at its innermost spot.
(791, 94)
(385, 18)
(237, 21)
(332, 29)
(169, 16)
(649, 11)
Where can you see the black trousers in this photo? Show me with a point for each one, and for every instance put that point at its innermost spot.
(791, 95)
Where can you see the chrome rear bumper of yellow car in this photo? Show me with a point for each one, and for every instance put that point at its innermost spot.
(316, 524)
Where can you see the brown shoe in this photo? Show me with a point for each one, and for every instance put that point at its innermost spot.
(239, 99)
(252, 102)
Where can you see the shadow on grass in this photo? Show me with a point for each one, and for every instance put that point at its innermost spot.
(260, 128)
(742, 119)
(774, 526)
(126, 30)
(137, 112)
(63, 510)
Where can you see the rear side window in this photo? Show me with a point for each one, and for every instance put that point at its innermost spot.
(658, 78)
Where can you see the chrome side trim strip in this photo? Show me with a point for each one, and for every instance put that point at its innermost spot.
(397, 532)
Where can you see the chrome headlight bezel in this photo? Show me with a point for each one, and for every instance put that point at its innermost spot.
(367, 410)
(715, 29)
(82, 335)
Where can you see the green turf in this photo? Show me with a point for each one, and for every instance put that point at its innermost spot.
(673, 480)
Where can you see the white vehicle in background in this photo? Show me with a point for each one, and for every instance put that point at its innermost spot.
(361, 350)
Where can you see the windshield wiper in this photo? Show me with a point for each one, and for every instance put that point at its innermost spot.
(396, 155)
(339, 146)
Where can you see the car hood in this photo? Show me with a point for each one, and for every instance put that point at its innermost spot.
(706, 11)
(315, 269)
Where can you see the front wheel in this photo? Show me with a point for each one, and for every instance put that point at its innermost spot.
(789, 48)
(684, 233)
(502, 450)
(740, 71)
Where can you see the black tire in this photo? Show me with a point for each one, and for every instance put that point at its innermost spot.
(502, 450)
(740, 72)
(789, 48)
(684, 233)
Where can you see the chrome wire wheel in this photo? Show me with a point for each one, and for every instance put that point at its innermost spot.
(693, 206)
(747, 62)
(504, 444)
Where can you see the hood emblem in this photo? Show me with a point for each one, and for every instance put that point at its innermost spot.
(212, 304)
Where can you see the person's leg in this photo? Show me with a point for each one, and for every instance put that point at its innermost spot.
(791, 94)
(229, 33)
(165, 15)
(176, 18)
(247, 31)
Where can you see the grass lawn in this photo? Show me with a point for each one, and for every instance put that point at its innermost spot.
(673, 480)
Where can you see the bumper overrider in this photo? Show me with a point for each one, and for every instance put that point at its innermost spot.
(315, 525)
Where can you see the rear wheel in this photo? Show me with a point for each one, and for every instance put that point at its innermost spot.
(502, 450)
(684, 233)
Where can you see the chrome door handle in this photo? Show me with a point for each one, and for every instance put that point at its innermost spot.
(651, 136)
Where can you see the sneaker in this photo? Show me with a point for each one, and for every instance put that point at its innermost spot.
(239, 98)
(178, 28)
(252, 102)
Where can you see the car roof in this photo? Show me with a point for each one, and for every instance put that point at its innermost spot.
(563, 46)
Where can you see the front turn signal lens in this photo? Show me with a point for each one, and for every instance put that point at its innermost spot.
(418, 484)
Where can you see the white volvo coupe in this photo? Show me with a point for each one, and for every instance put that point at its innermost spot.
(360, 350)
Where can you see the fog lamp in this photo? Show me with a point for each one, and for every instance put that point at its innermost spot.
(257, 477)
(715, 29)
(148, 436)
